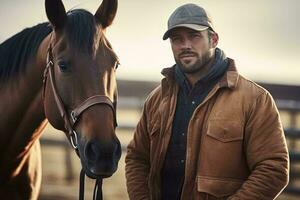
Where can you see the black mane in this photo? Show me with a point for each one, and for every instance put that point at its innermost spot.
(16, 51)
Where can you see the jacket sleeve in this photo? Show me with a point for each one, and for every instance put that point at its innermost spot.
(266, 151)
(138, 162)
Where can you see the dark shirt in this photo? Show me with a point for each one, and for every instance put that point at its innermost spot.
(188, 99)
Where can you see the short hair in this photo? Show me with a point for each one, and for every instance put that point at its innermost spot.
(209, 34)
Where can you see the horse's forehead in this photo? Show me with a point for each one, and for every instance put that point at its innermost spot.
(97, 45)
(81, 38)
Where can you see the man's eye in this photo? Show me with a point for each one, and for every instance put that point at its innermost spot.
(176, 39)
(196, 35)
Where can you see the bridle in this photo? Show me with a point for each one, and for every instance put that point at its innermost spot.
(71, 119)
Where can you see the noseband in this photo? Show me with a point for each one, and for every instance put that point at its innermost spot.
(71, 119)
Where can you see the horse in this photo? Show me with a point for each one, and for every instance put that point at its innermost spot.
(62, 72)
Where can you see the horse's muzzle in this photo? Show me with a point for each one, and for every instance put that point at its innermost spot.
(100, 159)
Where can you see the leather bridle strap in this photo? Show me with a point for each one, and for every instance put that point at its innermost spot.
(81, 184)
(98, 189)
(97, 195)
(70, 133)
(97, 99)
(70, 120)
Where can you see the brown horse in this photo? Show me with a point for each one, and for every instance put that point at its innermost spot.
(77, 96)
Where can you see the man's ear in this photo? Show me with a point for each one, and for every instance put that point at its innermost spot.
(214, 39)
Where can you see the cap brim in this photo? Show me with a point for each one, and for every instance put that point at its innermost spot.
(195, 27)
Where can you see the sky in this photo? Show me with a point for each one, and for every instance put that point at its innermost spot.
(262, 36)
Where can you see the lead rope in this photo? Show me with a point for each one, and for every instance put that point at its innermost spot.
(97, 189)
(81, 185)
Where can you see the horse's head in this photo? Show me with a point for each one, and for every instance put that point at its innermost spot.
(80, 90)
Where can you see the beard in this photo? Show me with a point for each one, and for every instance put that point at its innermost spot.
(190, 68)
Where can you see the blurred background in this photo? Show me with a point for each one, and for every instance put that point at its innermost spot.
(261, 35)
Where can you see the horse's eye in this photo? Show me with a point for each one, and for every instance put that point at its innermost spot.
(63, 65)
(117, 65)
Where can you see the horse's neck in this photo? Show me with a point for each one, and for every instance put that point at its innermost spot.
(21, 107)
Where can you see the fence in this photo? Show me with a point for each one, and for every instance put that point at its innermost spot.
(293, 137)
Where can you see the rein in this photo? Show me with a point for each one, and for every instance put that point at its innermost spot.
(97, 195)
(71, 119)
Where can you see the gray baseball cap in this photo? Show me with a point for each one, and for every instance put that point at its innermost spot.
(190, 16)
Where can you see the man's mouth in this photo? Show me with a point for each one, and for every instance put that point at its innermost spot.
(187, 55)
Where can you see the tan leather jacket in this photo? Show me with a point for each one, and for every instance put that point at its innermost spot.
(236, 147)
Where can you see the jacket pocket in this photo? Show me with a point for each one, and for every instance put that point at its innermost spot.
(225, 130)
(222, 153)
(217, 188)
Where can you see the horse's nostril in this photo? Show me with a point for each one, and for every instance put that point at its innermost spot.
(91, 151)
(96, 152)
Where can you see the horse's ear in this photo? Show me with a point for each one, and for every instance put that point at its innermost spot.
(106, 12)
(56, 13)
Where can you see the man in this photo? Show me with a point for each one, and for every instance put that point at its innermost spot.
(206, 132)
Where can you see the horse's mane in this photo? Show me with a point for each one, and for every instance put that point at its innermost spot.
(16, 51)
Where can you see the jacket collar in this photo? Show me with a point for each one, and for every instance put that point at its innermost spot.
(229, 80)
(231, 77)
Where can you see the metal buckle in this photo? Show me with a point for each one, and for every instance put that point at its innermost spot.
(50, 63)
(74, 143)
(73, 116)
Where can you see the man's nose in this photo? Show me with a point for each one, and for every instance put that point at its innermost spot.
(186, 44)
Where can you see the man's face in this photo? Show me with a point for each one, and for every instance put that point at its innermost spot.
(192, 49)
